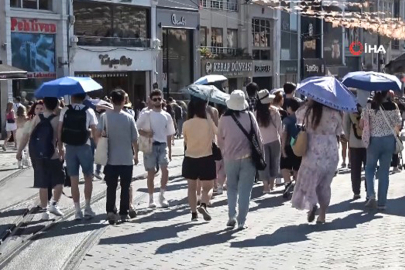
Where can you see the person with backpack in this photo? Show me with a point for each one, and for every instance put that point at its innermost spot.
(357, 150)
(48, 167)
(75, 121)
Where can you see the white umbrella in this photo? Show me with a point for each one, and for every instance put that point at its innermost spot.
(211, 79)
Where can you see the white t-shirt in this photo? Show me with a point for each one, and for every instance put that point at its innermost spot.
(91, 118)
(161, 123)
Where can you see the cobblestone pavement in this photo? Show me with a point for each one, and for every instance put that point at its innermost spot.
(278, 236)
(8, 163)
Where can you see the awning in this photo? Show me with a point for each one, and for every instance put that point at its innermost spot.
(396, 66)
(11, 73)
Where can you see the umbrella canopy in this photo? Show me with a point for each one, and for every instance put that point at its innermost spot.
(397, 65)
(372, 81)
(97, 103)
(9, 72)
(207, 92)
(329, 92)
(211, 79)
(67, 86)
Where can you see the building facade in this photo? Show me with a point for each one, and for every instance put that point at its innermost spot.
(115, 43)
(32, 37)
(178, 29)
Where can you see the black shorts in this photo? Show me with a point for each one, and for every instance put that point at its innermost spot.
(291, 162)
(48, 173)
(199, 168)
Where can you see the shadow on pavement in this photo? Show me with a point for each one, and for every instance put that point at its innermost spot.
(149, 235)
(208, 239)
(14, 212)
(294, 233)
(268, 203)
(76, 226)
(168, 214)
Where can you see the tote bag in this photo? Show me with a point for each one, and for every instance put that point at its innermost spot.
(300, 144)
(145, 144)
(101, 155)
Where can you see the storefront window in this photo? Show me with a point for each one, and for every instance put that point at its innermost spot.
(232, 38)
(216, 37)
(177, 61)
(289, 35)
(103, 24)
(203, 36)
(32, 4)
(261, 32)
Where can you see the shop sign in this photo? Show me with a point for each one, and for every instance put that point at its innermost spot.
(313, 67)
(32, 26)
(178, 22)
(107, 61)
(262, 69)
(229, 68)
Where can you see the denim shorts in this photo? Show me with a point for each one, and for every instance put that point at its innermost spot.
(77, 156)
(157, 157)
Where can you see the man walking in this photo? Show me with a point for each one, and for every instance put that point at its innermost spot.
(289, 90)
(48, 168)
(161, 131)
(122, 134)
(74, 124)
(252, 89)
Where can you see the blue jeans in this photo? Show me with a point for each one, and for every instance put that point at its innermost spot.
(241, 176)
(158, 157)
(380, 150)
(79, 156)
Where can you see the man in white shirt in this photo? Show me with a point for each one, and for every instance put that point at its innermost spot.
(161, 130)
(75, 121)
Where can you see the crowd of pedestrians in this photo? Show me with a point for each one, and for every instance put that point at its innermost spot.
(225, 148)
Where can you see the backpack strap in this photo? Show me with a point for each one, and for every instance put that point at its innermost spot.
(41, 117)
(70, 107)
(85, 108)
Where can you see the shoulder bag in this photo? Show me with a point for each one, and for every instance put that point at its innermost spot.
(216, 152)
(145, 144)
(300, 144)
(101, 155)
(399, 147)
(257, 153)
(365, 136)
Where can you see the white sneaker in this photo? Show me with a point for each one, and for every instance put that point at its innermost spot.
(54, 209)
(88, 212)
(78, 215)
(163, 202)
(45, 215)
(98, 176)
(152, 205)
(220, 191)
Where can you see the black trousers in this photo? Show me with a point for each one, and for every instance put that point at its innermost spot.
(395, 161)
(358, 160)
(112, 173)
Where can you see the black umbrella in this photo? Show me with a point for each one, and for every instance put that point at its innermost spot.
(396, 66)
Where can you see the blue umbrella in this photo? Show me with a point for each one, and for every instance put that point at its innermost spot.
(329, 92)
(67, 86)
(207, 92)
(372, 81)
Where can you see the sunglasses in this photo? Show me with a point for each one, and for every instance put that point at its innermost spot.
(156, 99)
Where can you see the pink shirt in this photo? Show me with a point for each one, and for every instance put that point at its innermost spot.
(232, 141)
(273, 131)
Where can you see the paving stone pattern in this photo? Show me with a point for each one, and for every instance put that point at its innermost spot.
(278, 236)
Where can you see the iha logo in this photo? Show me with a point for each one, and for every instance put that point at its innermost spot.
(356, 48)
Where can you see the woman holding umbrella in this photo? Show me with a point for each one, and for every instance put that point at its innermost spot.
(323, 122)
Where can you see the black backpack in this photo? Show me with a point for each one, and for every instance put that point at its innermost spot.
(74, 128)
(41, 141)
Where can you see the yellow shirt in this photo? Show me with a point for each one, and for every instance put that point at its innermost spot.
(198, 137)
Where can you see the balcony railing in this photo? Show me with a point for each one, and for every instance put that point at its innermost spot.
(113, 41)
(221, 50)
(229, 5)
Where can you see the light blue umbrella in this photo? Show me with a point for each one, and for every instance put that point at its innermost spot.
(372, 81)
(67, 86)
(211, 79)
(329, 92)
(207, 92)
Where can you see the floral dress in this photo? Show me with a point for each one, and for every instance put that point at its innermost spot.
(320, 162)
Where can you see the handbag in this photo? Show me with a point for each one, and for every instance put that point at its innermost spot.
(145, 144)
(365, 136)
(300, 144)
(399, 147)
(257, 153)
(216, 152)
(101, 155)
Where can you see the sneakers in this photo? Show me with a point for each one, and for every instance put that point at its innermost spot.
(45, 215)
(152, 205)
(287, 190)
(79, 215)
(163, 202)
(356, 196)
(371, 203)
(54, 209)
(124, 218)
(112, 218)
(194, 216)
(231, 223)
(88, 212)
(343, 165)
(97, 175)
(203, 211)
(132, 212)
